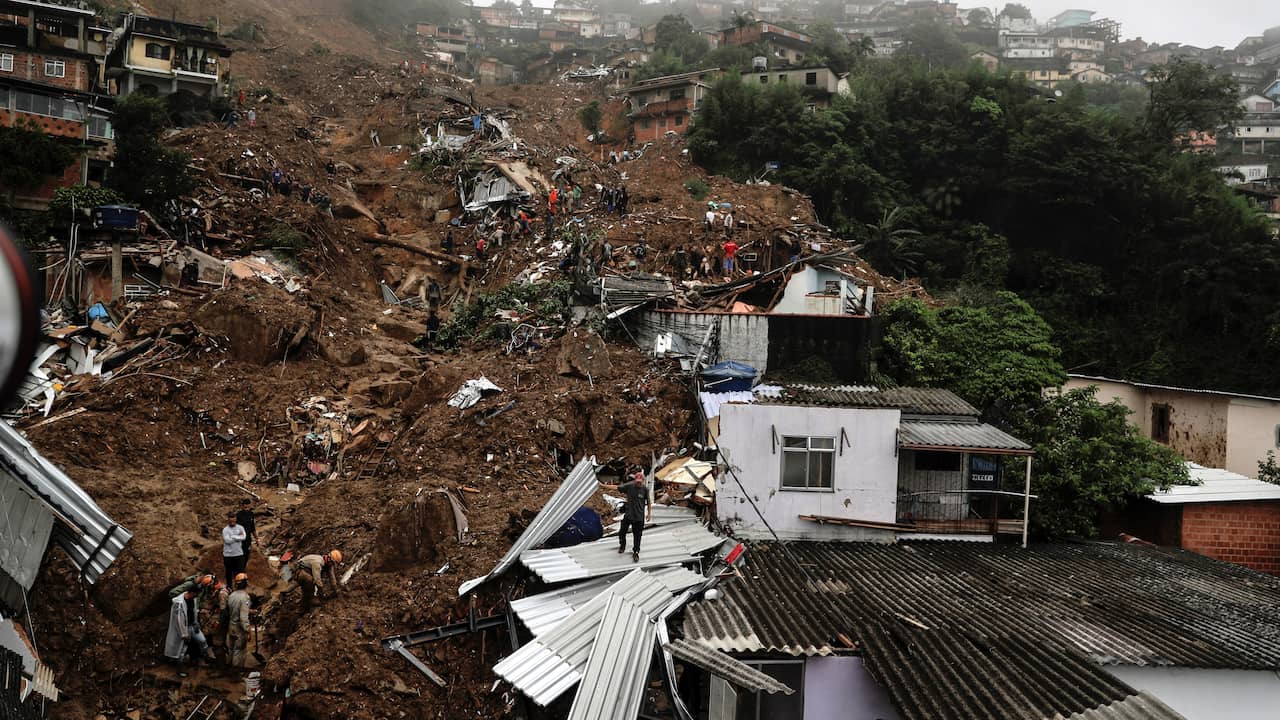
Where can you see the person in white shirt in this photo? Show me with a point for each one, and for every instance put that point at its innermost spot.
(233, 559)
(711, 221)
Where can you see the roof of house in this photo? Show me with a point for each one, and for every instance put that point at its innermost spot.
(960, 435)
(1172, 388)
(1114, 603)
(933, 674)
(687, 78)
(1216, 485)
(919, 401)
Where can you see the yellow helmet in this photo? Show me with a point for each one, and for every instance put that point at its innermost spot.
(206, 580)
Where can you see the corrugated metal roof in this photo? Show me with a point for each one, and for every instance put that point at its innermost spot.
(929, 434)
(89, 535)
(1197, 391)
(612, 685)
(945, 674)
(1142, 706)
(550, 664)
(731, 669)
(662, 546)
(661, 515)
(1116, 603)
(1216, 485)
(26, 524)
(919, 401)
(544, 611)
(576, 489)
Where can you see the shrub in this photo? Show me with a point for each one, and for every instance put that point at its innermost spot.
(697, 187)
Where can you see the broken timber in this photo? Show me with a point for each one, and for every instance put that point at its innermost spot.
(379, 239)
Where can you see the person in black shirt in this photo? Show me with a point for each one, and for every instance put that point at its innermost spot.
(246, 519)
(635, 514)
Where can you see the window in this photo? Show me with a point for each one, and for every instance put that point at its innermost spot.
(158, 51)
(782, 78)
(677, 94)
(662, 123)
(806, 463)
(929, 461)
(99, 127)
(679, 120)
(645, 123)
(6, 62)
(764, 706)
(811, 78)
(1160, 422)
(55, 68)
(764, 79)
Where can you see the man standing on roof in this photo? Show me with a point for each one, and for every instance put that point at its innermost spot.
(233, 557)
(635, 513)
(730, 250)
(310, 572)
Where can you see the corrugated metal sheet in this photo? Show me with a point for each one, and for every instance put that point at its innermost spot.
(919, 401)
(26, 524)
(612, 685)
(725, 666)
(576, 489)
(925, 434)
(660, 515)
(1216, 485)
(89, 536)
(662, 546)
(1174, 389)
(1116, 603)
(549, 665)
(544, 611)
(1142, 706)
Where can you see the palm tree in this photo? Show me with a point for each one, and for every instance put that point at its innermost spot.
(890, 246)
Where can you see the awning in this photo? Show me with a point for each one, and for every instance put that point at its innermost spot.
(726, 666)
(959, 436)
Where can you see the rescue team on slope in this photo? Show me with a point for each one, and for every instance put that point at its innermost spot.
(229, 605)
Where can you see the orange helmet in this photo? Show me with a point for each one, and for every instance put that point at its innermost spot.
(335, 556)
(241, 577)
(206, 580)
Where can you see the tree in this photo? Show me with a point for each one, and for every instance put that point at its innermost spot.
(1089, 459)
(1016, 11)
(146, 173)
(831, 48)
(674, 35)
(981, 18)
(889, 243)
(997, 355)
(590, 115)
(30, 157)
(1189, 97)
(934, 45)
(661, 63)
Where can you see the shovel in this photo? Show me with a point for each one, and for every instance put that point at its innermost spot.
(257, 655)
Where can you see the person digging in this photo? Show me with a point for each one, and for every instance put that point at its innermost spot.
(635, 513)
(310, 570)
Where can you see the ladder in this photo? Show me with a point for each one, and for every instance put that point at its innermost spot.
(377, 455)
(200, 712)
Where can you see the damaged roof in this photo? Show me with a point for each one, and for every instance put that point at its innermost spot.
(726, 666)
(1115, 603)
(917, 401)
(544, 611)
(612, 686)
(664, 545)
(576, 489)
(89, 536)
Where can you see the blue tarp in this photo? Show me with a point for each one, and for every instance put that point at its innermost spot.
(729, 376)
(583, 526)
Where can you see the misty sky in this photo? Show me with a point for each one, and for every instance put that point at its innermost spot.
(1193, 22)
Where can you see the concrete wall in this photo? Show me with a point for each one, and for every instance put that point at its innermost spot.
(1253, 427)
(1208, 694)
(138, 54)
(800, 296)
(1244, 533)
(865, 472)
(841, 687)
(744, 338)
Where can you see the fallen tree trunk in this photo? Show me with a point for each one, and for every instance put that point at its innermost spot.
(379, 239)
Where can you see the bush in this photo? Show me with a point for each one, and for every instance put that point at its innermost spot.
(285, 238)
(697, 187)
(80, 197)
(476, 321)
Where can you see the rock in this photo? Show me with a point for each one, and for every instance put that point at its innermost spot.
(435, 385)
(583, 354)
(341, 354)
(168, 305)
(247, 470)
(390, 392)
(556, 427)
(405, 330)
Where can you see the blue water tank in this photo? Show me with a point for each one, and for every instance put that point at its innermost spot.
(118, 217)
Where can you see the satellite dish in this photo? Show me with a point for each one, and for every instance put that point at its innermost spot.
(19, 314)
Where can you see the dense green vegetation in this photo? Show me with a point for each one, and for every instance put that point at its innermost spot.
(146, 173)
(1142, 261)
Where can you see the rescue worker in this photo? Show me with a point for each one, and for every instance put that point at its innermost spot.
(310, 571)
(238, 627)
(636, 512)
(246, 519)
(184, 636)
(202, 583)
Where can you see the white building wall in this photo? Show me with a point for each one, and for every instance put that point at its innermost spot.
(1208, 694)
(865, 471)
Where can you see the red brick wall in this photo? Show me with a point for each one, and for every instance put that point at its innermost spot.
(1244, 533)
(30, 66)
(51, 125)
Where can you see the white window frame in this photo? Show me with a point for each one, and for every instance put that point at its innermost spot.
(6, 62)
(808, 451)
(58, 66)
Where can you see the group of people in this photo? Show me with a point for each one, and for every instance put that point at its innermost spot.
(615, 199)
(714, 220)
(701, 261)
(203, 600)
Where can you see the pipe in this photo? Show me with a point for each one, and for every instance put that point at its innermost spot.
(1026, 505)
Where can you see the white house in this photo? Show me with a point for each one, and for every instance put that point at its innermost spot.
(861, 463)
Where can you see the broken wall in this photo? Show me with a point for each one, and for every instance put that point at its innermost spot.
(742, 337)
